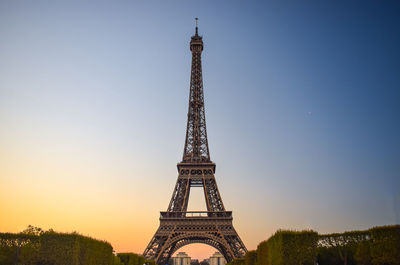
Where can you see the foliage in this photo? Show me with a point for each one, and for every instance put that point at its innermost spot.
(238, 261)
(33, 230)
(250, 258)
(150, 262)
(328, 256)
(363, 253)
(262, 253)
(385, 245)
(340, 246)
(274, 249)
(291, 248)
(302, 247)
(117, 261)
(287, 248)
(33, 246)
(376, 246)
(132, 259)
(59, 248)
(7, 255)
(18, 248)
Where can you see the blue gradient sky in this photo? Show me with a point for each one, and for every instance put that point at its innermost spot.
(302, 105)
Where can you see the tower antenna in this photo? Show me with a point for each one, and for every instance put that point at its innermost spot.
(197, 25)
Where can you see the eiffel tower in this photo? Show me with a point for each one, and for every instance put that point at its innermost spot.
(179, 227)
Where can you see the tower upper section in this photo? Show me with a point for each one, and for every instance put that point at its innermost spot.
(196, 143)
(196, 44)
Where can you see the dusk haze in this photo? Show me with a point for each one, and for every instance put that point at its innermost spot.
(255, 116)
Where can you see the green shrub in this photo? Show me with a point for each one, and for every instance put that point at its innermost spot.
(262, 253)
(363, 253)
(250, 258)
(59, 248)
(18, 248)
(238, 261)
(340, 248)
(328, 256)
(74, 249)
(149, 262)
(117, 261)
(133, 259)
(385, 245)
(289, 248)
(34, 246)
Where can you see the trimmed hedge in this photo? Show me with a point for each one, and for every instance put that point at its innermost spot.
(51, 248)
(19, 248)
(149, 262)
(238, 261)
(288, 248)
(250, 258)
(327, 255)
(340, 248)
(376, 246)
(131, 259)
(385, 245)
(363, 253)
(74, 249)
(262, 253)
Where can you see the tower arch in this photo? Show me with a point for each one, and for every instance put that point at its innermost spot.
(192, 238)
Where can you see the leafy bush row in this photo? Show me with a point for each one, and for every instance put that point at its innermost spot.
(34, 246)
(376, 246)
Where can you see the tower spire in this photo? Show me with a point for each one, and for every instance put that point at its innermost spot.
(196, 143)
(197, 26)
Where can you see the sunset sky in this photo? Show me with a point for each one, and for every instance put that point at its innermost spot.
(302, 105)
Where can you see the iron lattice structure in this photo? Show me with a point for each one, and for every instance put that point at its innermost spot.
(178, 227)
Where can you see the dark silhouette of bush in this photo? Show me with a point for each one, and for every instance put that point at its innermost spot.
(34, 246)
(385, 245)
(288, 247)
(262, 253)
(363, 253)
(149, 262)
(376, 246)
(131, 259)
(19, 248)
(250, 258)
(340, 248)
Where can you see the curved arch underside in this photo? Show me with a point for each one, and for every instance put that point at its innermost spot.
(186, 242)
(176, 232)
(162, 247)
(202, 240)
(182, 240)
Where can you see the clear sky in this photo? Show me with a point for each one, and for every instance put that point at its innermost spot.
(302, 105)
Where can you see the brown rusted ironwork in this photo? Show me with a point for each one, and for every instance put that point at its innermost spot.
(179, 227)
